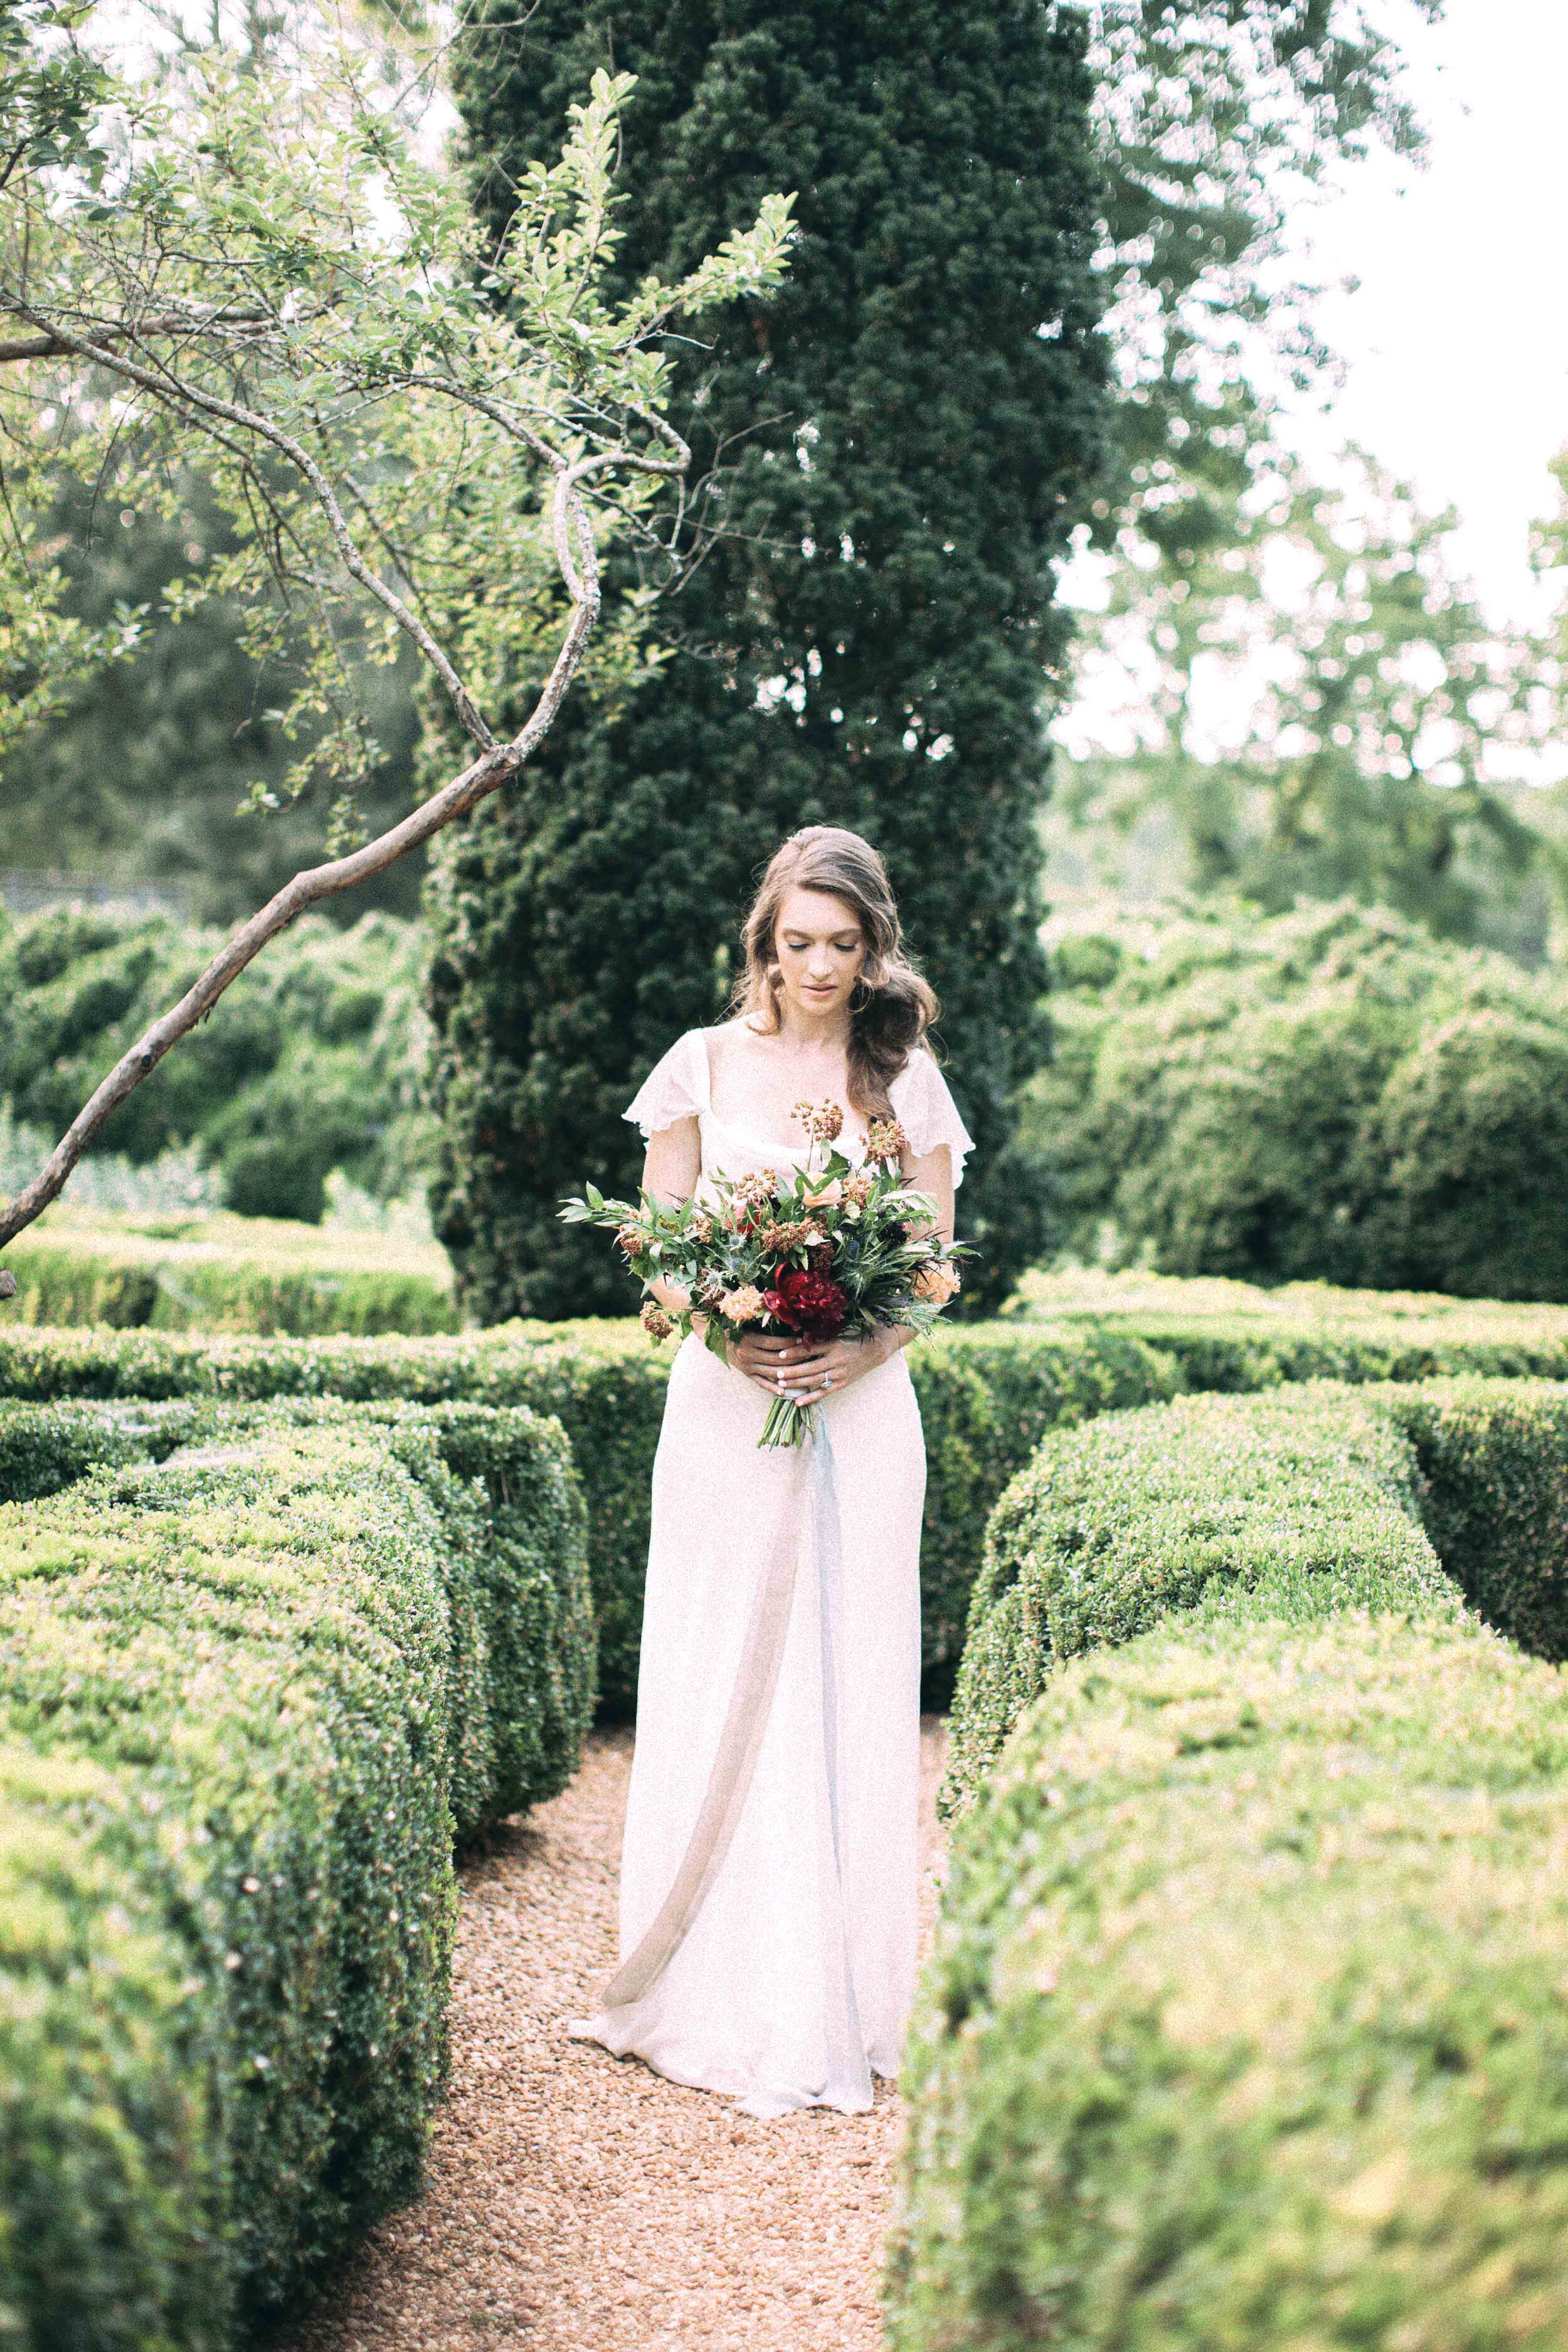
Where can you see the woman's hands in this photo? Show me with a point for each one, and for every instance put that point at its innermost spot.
(808, 1371)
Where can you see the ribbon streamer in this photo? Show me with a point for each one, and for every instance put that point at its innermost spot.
(750, 1702)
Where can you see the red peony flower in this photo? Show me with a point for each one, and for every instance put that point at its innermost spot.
(805, 1302)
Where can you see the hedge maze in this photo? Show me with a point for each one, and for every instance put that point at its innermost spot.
(988, 1393)
(1246, 2025)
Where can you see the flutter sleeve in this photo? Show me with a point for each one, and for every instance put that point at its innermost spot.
(927, 1112)
(675, 1088)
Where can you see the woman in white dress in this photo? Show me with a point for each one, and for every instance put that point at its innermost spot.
(768, 1877)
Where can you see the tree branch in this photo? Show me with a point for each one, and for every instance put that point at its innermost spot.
(52, 346)
(309, 887)
(171, 390)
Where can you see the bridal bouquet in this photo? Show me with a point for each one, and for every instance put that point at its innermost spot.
(831, 1251)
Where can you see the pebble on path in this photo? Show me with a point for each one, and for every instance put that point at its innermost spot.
(576, 2202)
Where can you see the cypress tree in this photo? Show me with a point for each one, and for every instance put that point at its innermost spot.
(896, 447)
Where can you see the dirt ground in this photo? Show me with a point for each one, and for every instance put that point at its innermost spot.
(579, 2203)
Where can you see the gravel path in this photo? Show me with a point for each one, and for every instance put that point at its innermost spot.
(577, 2202)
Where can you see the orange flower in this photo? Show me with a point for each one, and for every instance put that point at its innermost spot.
(937, 1282)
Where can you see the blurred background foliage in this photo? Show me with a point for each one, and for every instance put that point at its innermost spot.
(1308, 703)
(1332, 1094)
(314, 1066)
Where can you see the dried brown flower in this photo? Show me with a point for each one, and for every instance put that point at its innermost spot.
(822, 1121)
(776, 1239)
(886, 1140)
(630, 1239)
(655, 1321)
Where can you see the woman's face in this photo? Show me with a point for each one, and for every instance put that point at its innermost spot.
(821, 949)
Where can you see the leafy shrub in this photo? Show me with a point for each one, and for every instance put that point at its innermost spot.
(508, 1491)
(1320, 1499)
(1492, 1458)
(1241, 1353)
(1244, 2018)
(1290, 1506)
(1246, 2024)
(314, 1061)
(1330, 1094)
(986, 1394)
(243, 1694)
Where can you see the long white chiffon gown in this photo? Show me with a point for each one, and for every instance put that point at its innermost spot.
(768, 1875)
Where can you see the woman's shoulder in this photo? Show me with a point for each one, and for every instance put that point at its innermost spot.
(726, 1038)
(920, 1067)
(679, 1086)
(926, 1111)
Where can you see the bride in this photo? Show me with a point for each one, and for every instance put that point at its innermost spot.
(768, 1877)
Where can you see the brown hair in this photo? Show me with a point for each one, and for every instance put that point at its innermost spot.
(892, 1006)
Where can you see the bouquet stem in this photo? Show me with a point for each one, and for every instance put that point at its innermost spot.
(787, 1422)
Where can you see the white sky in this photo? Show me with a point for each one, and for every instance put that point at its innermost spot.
(1456, 337)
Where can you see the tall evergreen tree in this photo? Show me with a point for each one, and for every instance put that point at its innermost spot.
(897, 442)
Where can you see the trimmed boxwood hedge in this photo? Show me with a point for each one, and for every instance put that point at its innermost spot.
(1296, 1498)
(1242, 1352)
(516, 1568)
(1246, 2024)
(247, 1692)
(177, 1292)
(987, 1394)
(1292, 1505)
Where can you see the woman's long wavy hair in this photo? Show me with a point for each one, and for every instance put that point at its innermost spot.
(892, 1006)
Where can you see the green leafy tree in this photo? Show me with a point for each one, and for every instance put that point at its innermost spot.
(145, 765)
(888, 461)
(1314, 701)
(257, 264)
(1214, 123)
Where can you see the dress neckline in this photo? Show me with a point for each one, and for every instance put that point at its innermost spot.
(753, 1142)
(759, 1143)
